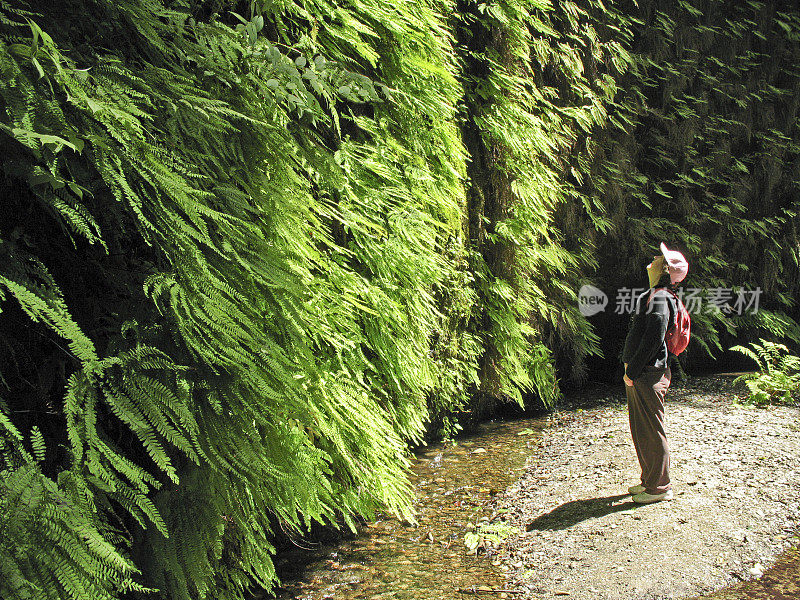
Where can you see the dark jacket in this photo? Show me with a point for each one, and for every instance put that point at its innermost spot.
(645, 345)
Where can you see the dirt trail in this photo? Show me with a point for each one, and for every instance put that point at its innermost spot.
(736, 475)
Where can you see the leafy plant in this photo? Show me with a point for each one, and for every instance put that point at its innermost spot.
(487, 534)
(778, 379)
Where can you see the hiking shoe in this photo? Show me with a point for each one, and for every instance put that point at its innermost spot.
(636, 489)
(645, 498)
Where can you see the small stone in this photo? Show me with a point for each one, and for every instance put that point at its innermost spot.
(757, 570)
(479, 451)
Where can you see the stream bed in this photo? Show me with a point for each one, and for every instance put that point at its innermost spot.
(455, 483)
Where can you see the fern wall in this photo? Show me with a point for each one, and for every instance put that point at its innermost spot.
(701, 151)
(229, 249)
(537, 80)
(250, 252)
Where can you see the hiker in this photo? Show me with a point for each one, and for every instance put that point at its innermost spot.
(647, 374)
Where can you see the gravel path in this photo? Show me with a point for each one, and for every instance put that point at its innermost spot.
(736, 476)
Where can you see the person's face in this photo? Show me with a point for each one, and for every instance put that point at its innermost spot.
(655, 269)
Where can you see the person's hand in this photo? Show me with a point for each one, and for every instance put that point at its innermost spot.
(628, 381)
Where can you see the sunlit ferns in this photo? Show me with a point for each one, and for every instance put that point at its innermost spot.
(274, 258)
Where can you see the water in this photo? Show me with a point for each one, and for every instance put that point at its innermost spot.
(780, 582)
(455, 486)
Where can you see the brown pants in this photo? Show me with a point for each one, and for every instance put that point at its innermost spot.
(646, 415)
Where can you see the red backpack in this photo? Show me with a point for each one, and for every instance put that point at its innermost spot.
(677, 336)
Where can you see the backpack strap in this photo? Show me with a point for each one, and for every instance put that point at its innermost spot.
(674, 319)
(677, 305)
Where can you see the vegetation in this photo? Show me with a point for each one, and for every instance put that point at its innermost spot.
(702, 146)
(252, 251)
(778, 379)
(487, 534)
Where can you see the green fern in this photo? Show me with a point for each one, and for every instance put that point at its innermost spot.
(778, 379)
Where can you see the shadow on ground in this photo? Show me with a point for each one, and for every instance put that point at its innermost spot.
(576, 511)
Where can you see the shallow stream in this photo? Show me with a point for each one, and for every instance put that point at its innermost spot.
(455, 484)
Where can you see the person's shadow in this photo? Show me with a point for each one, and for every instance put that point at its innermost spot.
(575, 511)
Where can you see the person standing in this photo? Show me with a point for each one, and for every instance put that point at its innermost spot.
(647, 375)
